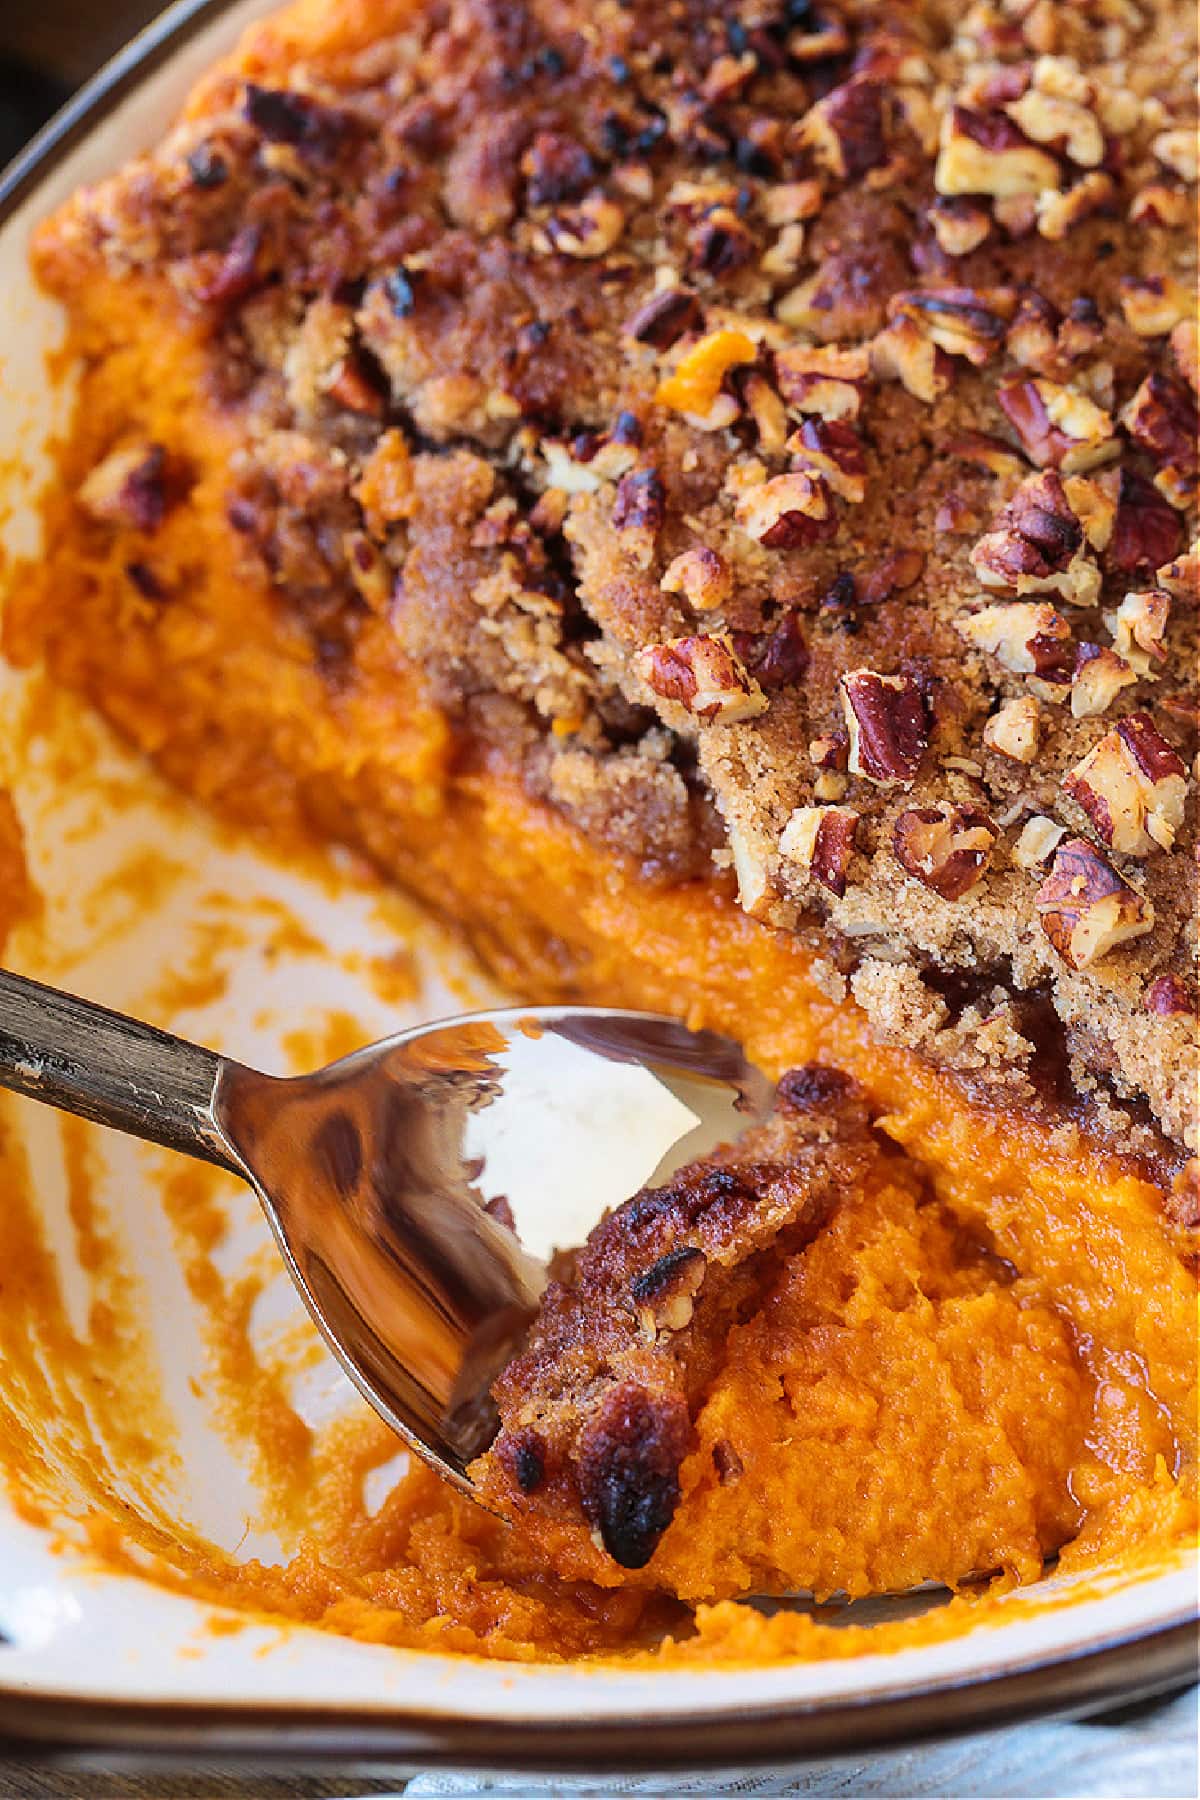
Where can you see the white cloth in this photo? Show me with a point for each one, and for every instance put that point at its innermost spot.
(1149, 1751)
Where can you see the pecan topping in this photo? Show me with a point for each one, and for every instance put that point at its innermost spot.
(1086, 909)
(886, 724)
(1039, 838)
(702, 576)
(967, 322)
(1094, 503)
(1057, 214)
(1132, 786)
(945, 847)
(664, 1295)
(1060, 123)
(556, 168)
(638, 513)
(823, 379)
(960, 224)
(834, 452)
(1058, 426)
(1161, 205)
(128, 488)
(1139, 628)
(1176, 150)
(705, 675)
(664, 317)
(787, 512)
(847, 131)
(1146, 532)
(775, 658)
(820, 841)
(1014, 728)
(1181, 576)
(768, 412)
(1098, 678)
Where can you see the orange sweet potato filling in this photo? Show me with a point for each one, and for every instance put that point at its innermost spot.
(949, 1420)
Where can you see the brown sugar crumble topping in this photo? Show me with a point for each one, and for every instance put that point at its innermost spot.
(774, 430)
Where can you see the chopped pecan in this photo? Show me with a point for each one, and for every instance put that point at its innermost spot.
(127, 488)
(960, 224)
(848, 130)
(1182, 1201)
(1132, 786)
(1086, 909)
(586, 231)
(720, 242)
(1064, 125)
(787, 512)
(823, 379)
(1139, 628)
(1059, 427)
(1098, 678)
(1168, 996)
(702, 576)
(902, 352)
(1154, 304)
(790, 202)
(1162, 420)
(1026, 636)
(664, 317)
(899, 570)
(1059, 213)
(1176, 150)
(986, 153)
(945, 847)
(1160, 205)
(628, 1469)
(834, 452)
(664, 1295)
(1014, 728)
(1185, 348)
(1146, 532)
(638, 513)
(967, 322)
(886, 724)
(1036, 545)
(556, 168)
(370, 571)
(829, 752)
(1181, 576)
(1039, 837)
(1032, 336)
(986, 452)
(1093, 500)
(705, 676)
(768, 412)
(776, 658)
(820, 841)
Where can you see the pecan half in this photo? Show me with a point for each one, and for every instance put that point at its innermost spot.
(945, 847)
(820, 841)
(705, 675)
(1132, 786)
(886, 724)
(1086, 909)
(1058, 426)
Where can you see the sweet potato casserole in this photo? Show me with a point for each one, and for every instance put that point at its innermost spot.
(705, 498)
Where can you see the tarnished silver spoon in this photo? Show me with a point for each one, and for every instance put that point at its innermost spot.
(418, 1187)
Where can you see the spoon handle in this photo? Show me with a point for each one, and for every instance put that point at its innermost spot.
(110, 1069)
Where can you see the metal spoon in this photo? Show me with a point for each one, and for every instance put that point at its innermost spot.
(389, 1179)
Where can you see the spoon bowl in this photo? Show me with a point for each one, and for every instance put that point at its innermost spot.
(419, 1188)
